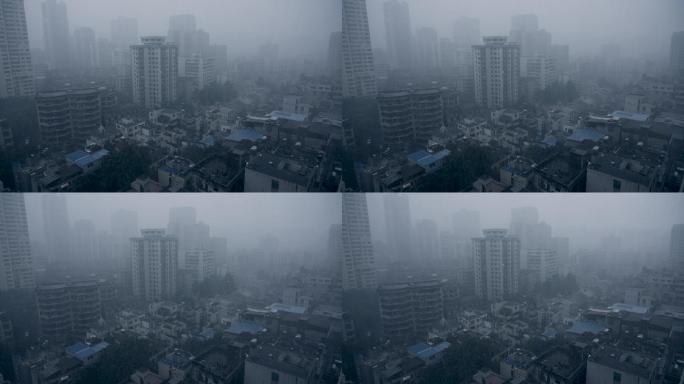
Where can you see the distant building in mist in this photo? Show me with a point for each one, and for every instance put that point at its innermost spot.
(357, 264)
(427, 240)
(398, 33)
(56, 226)
(56, 34)
(409, 310)
(397, 211)
(677, 246)
(466, 32)
(334, 244)
(466, 225)
(542, 264)
(427, 49)
(199, 265)
(16, 263)
(335, 56)
(154, 265)
(496, 72)
(154, 72)
(84, 241)
(16, 76)
(85, 48)
(496, 259)
(358, 70)
(677, 55)
(124, 32)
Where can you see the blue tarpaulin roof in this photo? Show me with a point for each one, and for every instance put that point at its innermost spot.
(425, 351)
(582, 134)
(245, 326)
(83, 351)
(244, 134)
(586, 326)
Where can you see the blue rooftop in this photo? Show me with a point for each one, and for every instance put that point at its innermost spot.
(635, 116)
(586, 326)
(550, 140)
(245, 135)
(83, 351)
(582, 134)
(425, 351)
(288, 116)
(280, 307)
(83, 158)
(425, 159)
(245, 326)
(208, 140)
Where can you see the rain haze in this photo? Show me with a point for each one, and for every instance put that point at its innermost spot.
(640, 27)
(300, 28)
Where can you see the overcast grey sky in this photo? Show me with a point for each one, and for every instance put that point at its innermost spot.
(584, 217)
(639, 26)
(302, 221)
(301, 27)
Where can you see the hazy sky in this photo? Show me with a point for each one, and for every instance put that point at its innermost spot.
(637, 25)
(299, 221)
(299, 26)
(585, 217)
(302, 221)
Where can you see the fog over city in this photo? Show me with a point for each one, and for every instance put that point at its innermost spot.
(299, 222)
(300, 28)
(640, 27)
(584, 219)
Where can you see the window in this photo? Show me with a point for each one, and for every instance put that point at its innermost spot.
(275, 185)
(617, 184)
(617, 377)
(275, 377)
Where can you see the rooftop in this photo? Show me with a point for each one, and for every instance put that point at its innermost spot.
(627, 361)
(637, 170)
(288, 169)
(586, 326)
(83, 351)
(426, 351)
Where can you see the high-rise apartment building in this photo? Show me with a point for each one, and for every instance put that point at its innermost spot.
(409, 310)
(410, 115)
(16, 71)
(358, 70)
(496, 72)
(72, 116)
(358, 261)
(496, 259)
(154, 265)
(154, 72)
(16, 263)
(56, 34)
(398, 33)
(69, 309)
